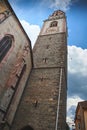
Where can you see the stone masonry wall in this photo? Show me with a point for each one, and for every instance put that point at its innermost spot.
(38, 107)
(39, 104)
(50, 51)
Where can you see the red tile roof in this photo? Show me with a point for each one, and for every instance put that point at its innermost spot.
(83, 104)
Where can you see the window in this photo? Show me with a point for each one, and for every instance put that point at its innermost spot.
(79, 126)
(47, 46)
(53, 24)
(5, 45)
(27, 128)
(45, 60)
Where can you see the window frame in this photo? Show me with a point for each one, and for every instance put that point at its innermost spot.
(54, 24)
(5, 45)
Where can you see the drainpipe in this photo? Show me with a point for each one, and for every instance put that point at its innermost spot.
(60, 84)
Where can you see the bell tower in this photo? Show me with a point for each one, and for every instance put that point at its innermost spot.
(43, 103)
(56, 23)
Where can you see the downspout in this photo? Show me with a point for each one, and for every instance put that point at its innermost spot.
(60, 84)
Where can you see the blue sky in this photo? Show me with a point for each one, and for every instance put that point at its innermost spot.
(32, 13)
(36, 11)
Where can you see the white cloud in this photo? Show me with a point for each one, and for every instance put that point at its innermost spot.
(61, 4)
(58, 4)
(73, 101)
(77, 78)
(31, 30)
(77, 62)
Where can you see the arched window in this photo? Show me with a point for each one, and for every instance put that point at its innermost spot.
(53, 24)
(27, 128)
(5, 45)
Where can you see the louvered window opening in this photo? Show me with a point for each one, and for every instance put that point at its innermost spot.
(5, 45)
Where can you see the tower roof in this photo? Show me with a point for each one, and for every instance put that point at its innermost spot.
(83, 104)
(57, 14)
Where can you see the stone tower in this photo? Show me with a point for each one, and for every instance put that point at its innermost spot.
(43, 103)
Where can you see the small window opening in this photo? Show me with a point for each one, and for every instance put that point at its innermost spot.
(36, 103)
(41, 78)
(45, 60)
(53, 24)
(79, 126)
(27, 128)
(49, 38)
(47, 46)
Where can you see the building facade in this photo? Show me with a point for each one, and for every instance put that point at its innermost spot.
(39, 101)
(15, 62)
(81, 116)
